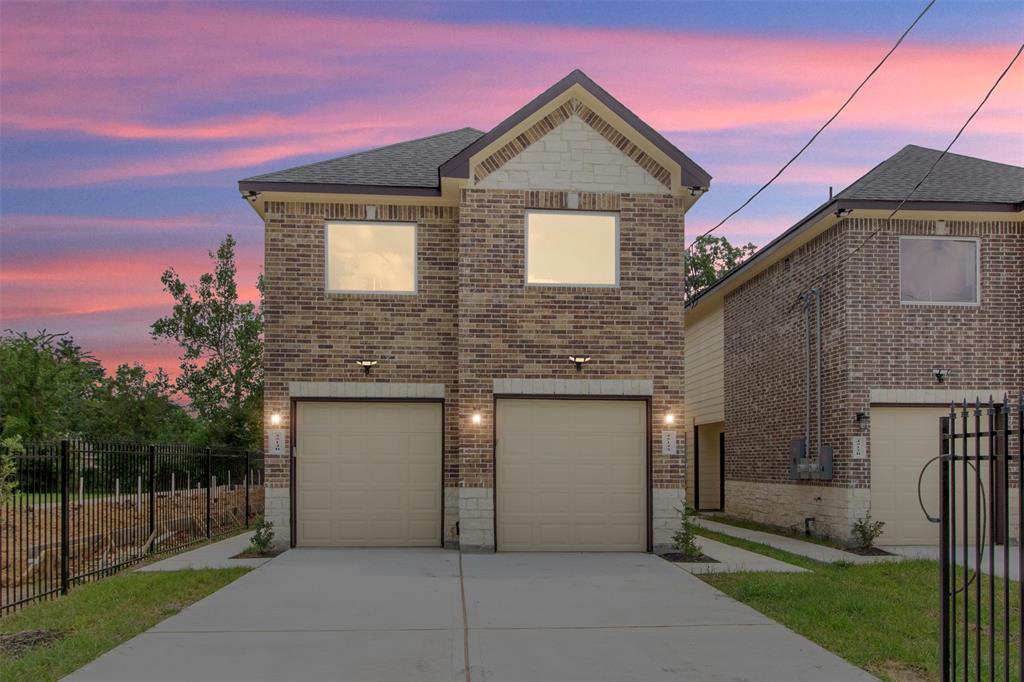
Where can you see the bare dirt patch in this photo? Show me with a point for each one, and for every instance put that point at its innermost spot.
(18, 643)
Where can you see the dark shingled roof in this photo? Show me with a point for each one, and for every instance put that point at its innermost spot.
(405, 164)
(956, 178)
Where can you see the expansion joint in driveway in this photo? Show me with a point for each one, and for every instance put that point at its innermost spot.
(465, 622)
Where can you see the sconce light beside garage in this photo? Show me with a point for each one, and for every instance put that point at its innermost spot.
(670, 419)
(477, 418)
(941, 375)
(275, 419)
(366, 365)
(579, 361)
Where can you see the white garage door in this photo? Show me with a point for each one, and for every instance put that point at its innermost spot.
(903, 439)
(571, 475)
(368, 474)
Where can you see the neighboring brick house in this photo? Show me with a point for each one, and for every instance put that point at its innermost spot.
(916, 312)
(422, 303)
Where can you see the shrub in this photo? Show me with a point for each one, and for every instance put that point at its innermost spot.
(8, 469)
(866, 531)
(263, 538)
(684, 539)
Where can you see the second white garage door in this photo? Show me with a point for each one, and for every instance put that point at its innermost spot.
(368, 474)
(571, 475)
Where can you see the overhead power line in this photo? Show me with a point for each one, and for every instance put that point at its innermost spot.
(822, 128)
(942, 155)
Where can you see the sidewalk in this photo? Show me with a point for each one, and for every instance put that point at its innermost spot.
(214, 555)
(810, 550)
(735, 560)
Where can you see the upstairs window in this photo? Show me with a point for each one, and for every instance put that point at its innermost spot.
(371, 258)
(572, 248)
(942, 270)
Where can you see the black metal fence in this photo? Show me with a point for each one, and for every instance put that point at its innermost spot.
(980, 614)
(86, 509)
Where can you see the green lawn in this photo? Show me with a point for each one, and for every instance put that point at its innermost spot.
(768, 528)
(882, 617)
(96, 617)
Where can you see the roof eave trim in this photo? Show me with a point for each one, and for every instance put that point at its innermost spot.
(692, 174)
(328, 188)
(863, 204)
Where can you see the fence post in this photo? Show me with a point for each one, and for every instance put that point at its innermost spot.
(248, 475)
(65, 518)
(152, 496)
(209, 491)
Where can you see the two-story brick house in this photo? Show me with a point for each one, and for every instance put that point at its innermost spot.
(853, 332)
(477, 338)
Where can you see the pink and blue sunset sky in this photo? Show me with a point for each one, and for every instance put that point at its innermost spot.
(125, 127)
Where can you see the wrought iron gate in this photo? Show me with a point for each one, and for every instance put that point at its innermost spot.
(980, 616)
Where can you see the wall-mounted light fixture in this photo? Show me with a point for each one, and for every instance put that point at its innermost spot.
(940, 375)
(579, 361)
(366, 365)
(843, 212)
(476, 418)
(697, 190)
(670, 418)
(861, 417)
(275, 419)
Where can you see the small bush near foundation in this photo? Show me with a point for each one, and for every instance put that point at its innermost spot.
(263, 538)
(866, 531)
(684, 539)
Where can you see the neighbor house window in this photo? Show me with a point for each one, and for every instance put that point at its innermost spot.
(572, 248)
(938, 270)
(371, 257)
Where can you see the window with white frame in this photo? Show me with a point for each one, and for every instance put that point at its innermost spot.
(572, 248)
(371, 257)
(939, 270)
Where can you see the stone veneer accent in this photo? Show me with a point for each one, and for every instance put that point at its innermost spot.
(572, 156)
(277, 510)
(573, 108)
(665, 503)
(476, 519)
(875, 350)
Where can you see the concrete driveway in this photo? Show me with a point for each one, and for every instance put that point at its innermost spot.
(393, 615)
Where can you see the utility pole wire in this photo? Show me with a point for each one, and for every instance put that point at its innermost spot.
(942, 155)
(822, 128)
(924, 177)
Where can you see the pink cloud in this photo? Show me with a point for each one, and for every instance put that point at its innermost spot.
(383, 89)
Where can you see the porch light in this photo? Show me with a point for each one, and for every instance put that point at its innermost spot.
(366, 365)
(477, 418)
(670, 418)
(275, 419)
(579, 361)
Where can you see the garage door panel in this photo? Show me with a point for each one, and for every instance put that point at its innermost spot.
(368, 474)
(571, 475)
(903, 440)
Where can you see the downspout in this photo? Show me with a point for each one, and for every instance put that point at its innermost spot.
(817, 336)
(807, 370)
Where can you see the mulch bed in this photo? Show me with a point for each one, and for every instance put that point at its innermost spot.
(868, 551)
(677, 558)
(18, 643)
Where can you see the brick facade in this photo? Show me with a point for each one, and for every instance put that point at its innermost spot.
(870, 341)
(473, 321)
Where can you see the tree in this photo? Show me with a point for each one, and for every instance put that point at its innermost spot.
(47, 385)
(131, 405)
(222, 350)
(709, 259)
